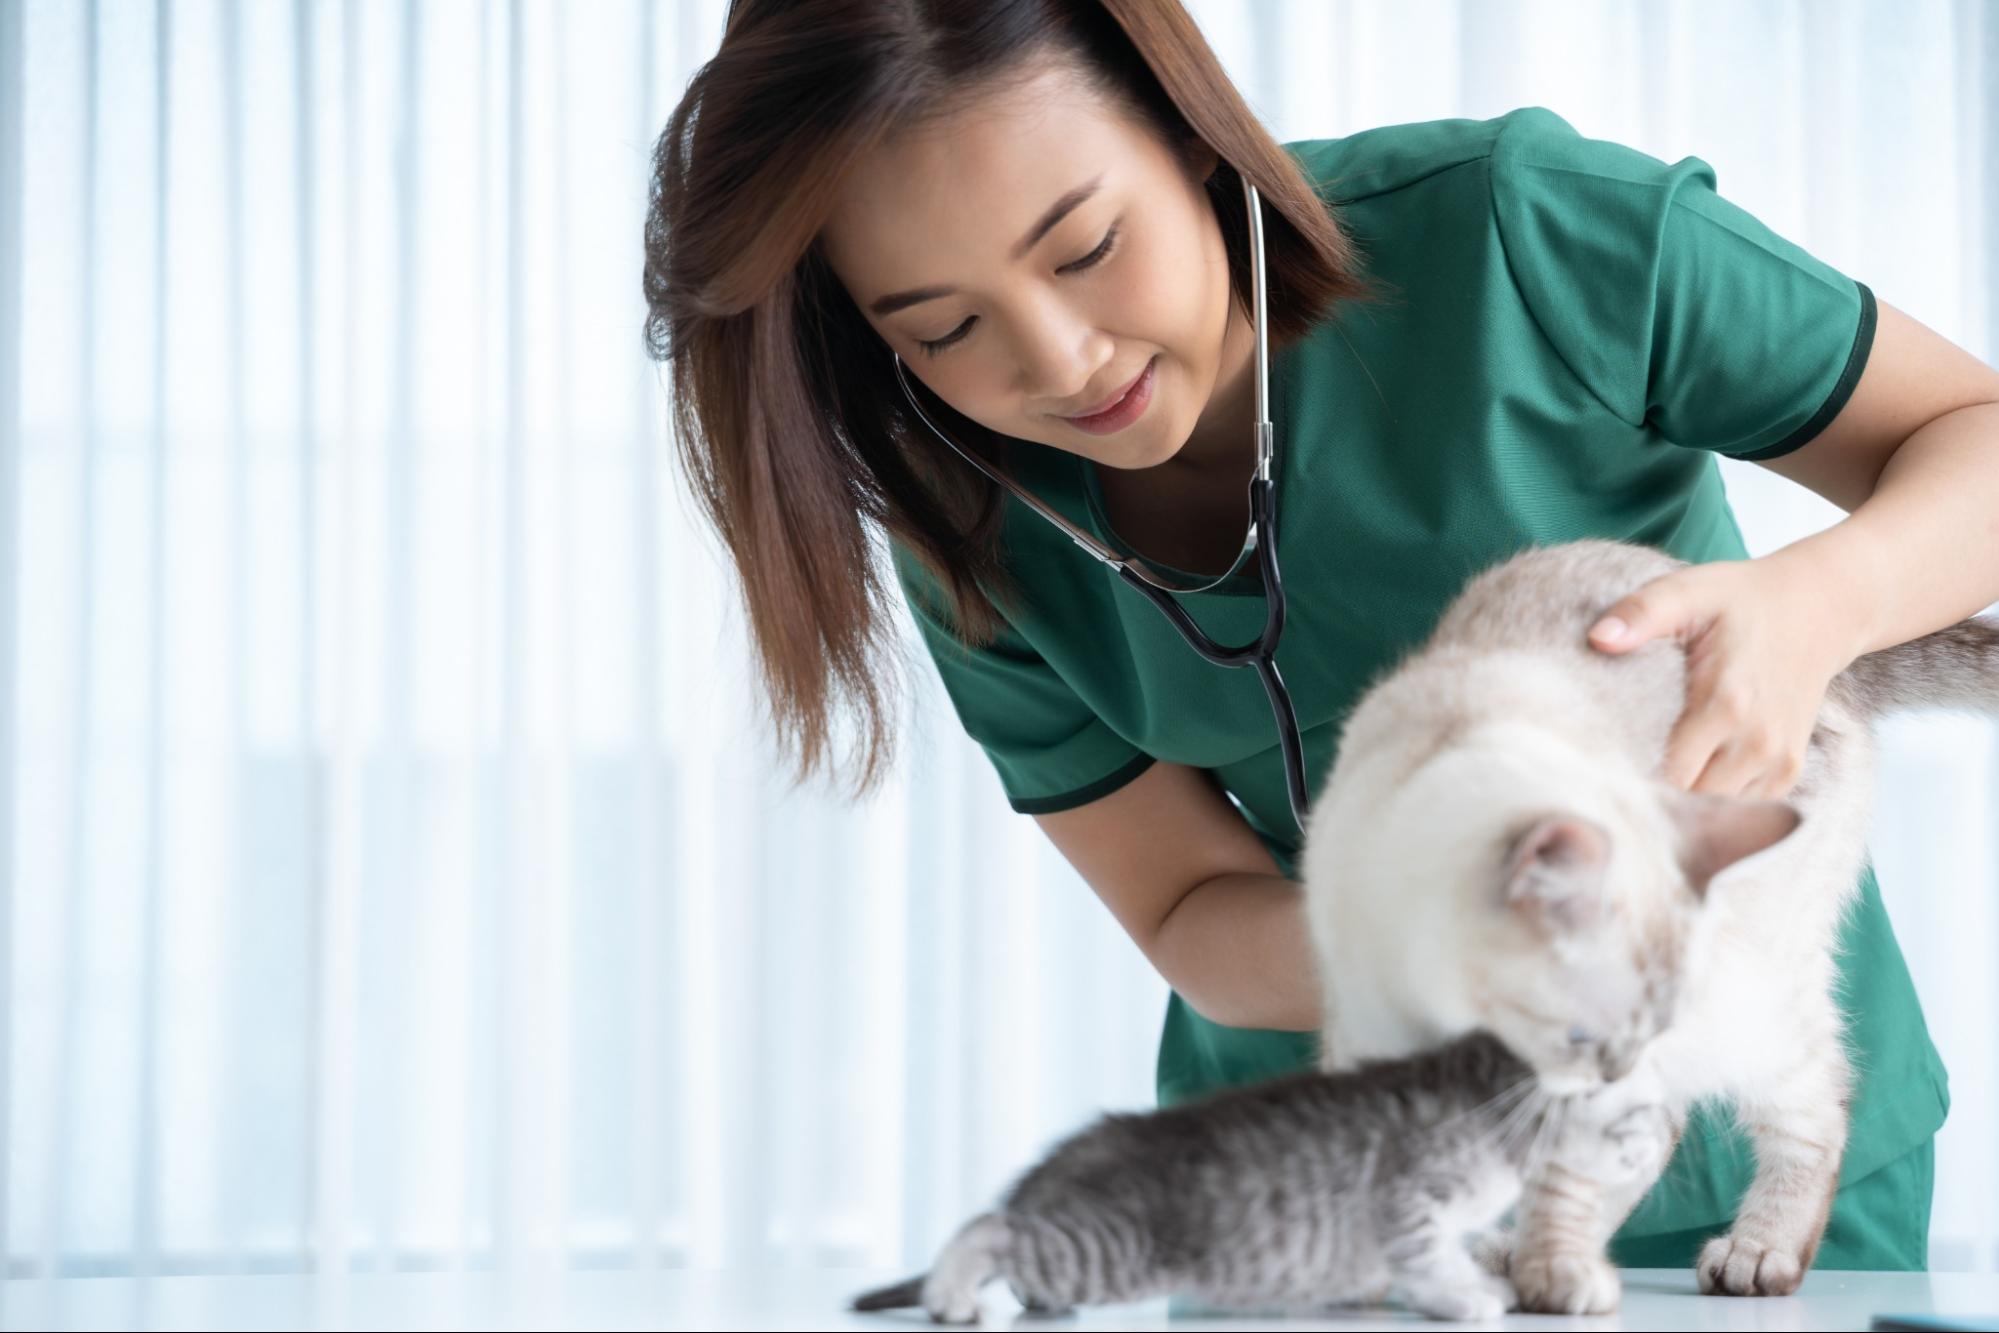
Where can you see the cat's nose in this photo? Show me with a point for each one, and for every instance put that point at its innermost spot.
(1617, 1061)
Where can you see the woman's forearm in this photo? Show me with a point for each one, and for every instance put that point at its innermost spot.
(1922, 551)
(1237, 949)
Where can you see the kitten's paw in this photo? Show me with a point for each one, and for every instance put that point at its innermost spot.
(955, 1312)
(951, 1304)
(1735, 1265)
(1474, 1303)
(1565, 1282)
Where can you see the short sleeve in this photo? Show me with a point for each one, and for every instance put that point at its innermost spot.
(1673, 306)
(1051, 750)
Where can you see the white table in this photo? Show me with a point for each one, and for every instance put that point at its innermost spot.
(815, 1299)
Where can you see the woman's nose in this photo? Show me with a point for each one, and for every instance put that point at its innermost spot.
(1062, 357)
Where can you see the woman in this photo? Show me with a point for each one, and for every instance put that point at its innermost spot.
(1484, 334)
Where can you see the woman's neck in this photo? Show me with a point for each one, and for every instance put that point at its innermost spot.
(1222, 446)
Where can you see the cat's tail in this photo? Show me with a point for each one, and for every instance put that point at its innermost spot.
(1955, 667)
(950, 1290)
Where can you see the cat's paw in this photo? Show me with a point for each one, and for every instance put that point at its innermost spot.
(1471, 1303)
(1734, 1265)
(1565, 1282)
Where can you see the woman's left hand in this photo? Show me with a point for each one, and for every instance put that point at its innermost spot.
(1762, 644)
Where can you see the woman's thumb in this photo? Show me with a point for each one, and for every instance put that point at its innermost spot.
(1630, 622)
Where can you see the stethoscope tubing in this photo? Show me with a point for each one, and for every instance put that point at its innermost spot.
(1260, 653)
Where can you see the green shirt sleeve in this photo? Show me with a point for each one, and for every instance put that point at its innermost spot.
(1675, 308)
(1051, 749)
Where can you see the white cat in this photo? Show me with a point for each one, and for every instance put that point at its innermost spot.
(1495, 848)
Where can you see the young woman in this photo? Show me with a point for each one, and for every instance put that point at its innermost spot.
(1483, 335)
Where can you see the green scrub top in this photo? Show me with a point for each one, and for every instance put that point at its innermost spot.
(1574, 329)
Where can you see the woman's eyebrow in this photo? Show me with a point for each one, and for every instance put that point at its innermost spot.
(894, 301)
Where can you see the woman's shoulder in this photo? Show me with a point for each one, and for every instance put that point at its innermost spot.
(1386, 158)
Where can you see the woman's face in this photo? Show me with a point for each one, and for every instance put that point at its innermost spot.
(1037, 326)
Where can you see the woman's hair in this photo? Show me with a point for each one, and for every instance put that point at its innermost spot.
(789, 420)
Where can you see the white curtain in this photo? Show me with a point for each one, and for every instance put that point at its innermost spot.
(393, 870)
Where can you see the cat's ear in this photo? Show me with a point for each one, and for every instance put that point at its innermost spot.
(1554, 873)
(1717, 831)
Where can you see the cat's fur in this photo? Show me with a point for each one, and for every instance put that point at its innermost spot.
(1302, 1192)
(1506, 730)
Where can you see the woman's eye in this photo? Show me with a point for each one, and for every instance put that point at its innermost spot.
(931, 347)
(1096, 256)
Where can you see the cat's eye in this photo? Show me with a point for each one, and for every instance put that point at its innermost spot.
(1581, 1036)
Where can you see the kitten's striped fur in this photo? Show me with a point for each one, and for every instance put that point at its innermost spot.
(1303, 1192)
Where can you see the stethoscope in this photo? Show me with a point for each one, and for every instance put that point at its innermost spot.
(1156, 586)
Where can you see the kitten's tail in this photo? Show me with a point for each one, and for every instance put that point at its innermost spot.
(1954, 667)
(950, 1290)
(892, 1297)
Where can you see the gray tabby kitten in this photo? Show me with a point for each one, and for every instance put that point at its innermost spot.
(1301, 1192)
(1506, 740)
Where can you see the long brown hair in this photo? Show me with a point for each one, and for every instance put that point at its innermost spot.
(790, 425)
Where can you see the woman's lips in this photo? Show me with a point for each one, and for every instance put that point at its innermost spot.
(1127, 409)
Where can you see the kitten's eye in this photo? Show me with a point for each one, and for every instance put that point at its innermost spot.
(1581, 1036)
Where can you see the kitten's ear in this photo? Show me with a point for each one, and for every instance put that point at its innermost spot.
(1718, 831)
(1554, 873)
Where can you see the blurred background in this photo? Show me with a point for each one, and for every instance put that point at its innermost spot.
(394, 869)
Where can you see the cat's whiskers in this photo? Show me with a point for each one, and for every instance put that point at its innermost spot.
(1506, 1125)
(1510, 1096)
(1527, 1111)
(1547, 1131)
(1508, 1111)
